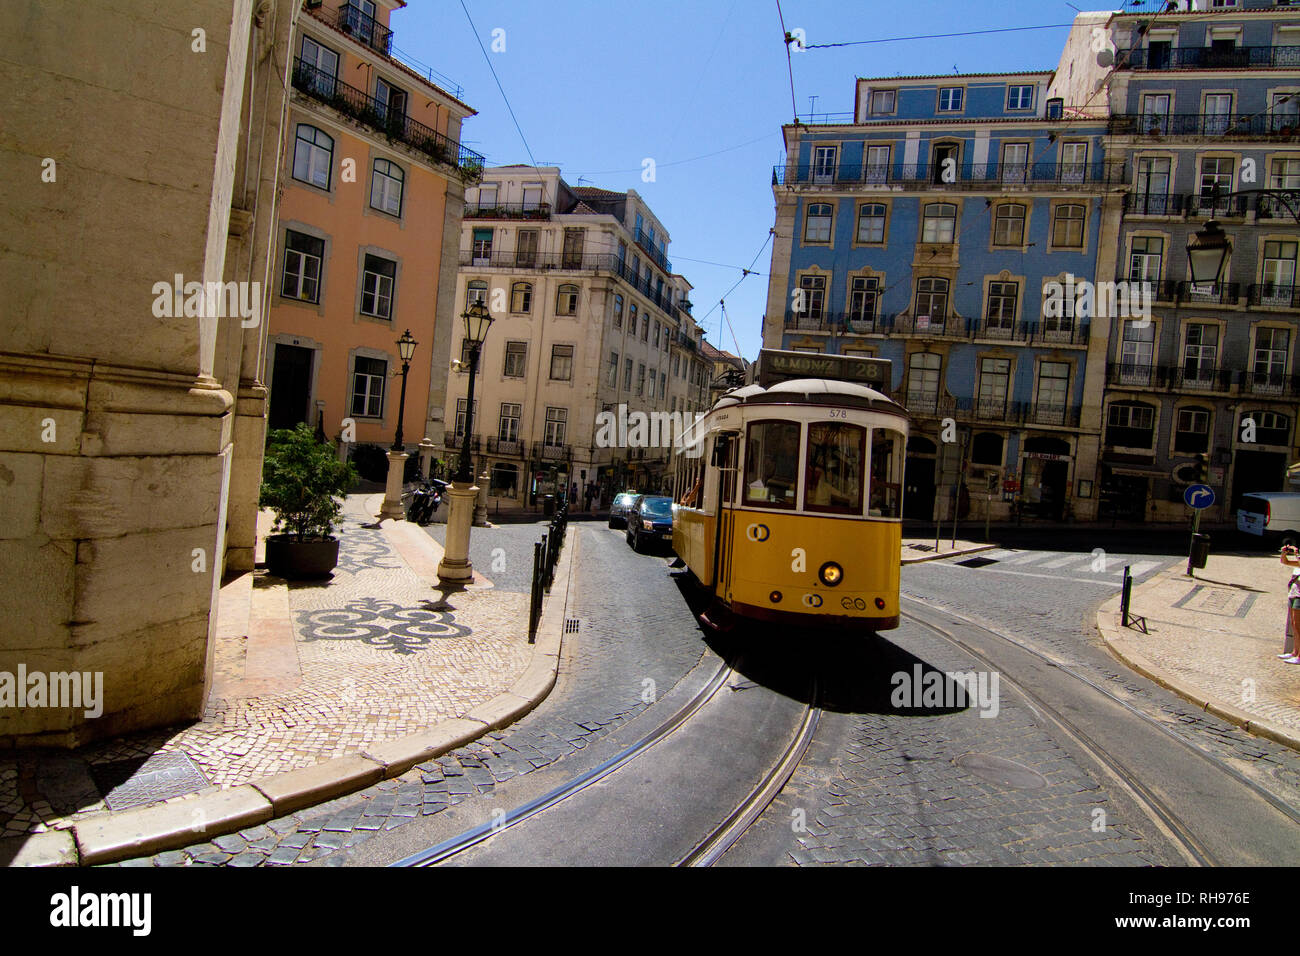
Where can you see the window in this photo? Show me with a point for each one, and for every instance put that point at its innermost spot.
(1270, 427)
(1278, 273)
(1009, 224)
(886, 474)
(871, 222)
(571, 256)
(814, 296)
(676, 366)
(611, 378)
(995, 375)
(864, 292)
(303, 256)
(1067, 227)
(1286, 111)
(320, 66)
(882, 102)
(487, 196)
(532, 196)
(877, 165)
(526, 248)
(466, 355)
(1144, 258)
(1130, 425)
(817, 224)
(1053, 391)
(481, 252)
(645, 326)
(566, 300)
(508, 424)
(461, 406)
(386, 187)
(556, 418)
(627, 375)
(562, 363)
(313, 156)
(1155, 113)
(950, 99)
(1159, 54)
(618, 311)
(656, 333)
(834, 468)
(368, 377)
(1020, 97)
(631, 320)
(663, 384)
(516, 360)
(377, 279)
(940, 222)
(944, 171)
(1151, 186)
(1200, 354)
(923, 381)
(772, 464)
(521, 297)
(1074, 162)
(824, 164)
(1001, 315)
(640, 378)
(1218, 113)
(1285, 174)
(1216, 179)
(1192, 434)
(476, 292)
(1271, 347)
(391, 102)
(1015, 162)
(931, 300)
(1137, 352)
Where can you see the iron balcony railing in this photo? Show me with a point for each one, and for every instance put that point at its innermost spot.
(1153, 204)
(1183, 378)
(1270, 383)
(928, 405)
(506, 446)
(1159, 290)
(643, 240)
(361, 26)
(509, 210)
(1197, 378)
(1216, 206)
(358, 105)
(1054, 175)
(1053, 413)
(1215, 293)
(1053, 332)
(454, 440)
(1275, 295)
(1253, 125)
(1207, 58)
(1277, 203)
(549, 452)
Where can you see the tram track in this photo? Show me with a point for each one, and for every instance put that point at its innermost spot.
(1167, 818)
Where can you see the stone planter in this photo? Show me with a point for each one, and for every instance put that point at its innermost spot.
(287, 557)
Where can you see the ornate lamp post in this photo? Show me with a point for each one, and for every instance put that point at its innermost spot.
(455, 567)
(1206, 254)
(397, 456)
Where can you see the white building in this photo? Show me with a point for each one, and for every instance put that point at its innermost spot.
(588, 315)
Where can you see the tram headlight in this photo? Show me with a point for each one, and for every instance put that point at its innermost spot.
(831, 574)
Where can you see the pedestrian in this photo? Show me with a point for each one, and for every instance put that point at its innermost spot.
(1290, 652)
(573, 495)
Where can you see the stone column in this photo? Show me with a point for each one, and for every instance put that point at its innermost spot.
(455, 567)
(480, 503)
(392, 507)
(427, 448)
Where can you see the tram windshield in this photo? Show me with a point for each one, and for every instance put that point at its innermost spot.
(886, 474)
(835, 467)
(772, 464)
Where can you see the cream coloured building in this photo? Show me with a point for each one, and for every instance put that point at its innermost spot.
(589, 316)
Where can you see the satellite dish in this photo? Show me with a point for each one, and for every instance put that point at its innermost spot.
(1105, 58)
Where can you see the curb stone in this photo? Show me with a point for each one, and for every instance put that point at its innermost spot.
(111, 837)
(961, 552)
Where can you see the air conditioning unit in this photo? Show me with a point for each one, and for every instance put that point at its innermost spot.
(1055, 108)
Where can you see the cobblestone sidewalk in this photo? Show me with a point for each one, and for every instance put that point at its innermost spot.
(303, 672)
(1215, 639)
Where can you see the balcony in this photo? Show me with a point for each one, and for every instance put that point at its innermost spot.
(549, 452)
(1153, 204)
(510, 210)
(454, 440)
(928, 405)
(1004, 330)
(1209, 293)
(1271, 295)
(1277, 204)
(1052, 413)
(536, 262)
(503, 446)
(362, 27)
(1270, 384)
(1216, 206)
(1176, 377)
(1161, 290)
(1208, 58)
(973, 175)
(1132, 375)
(659, 259)
(989, 410)
(1275, 126)
(951, 326)
(365, 109)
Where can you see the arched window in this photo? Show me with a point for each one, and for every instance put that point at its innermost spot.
(313, 156)
(871, 222)
(521, 297)
(386, 187)
(1067, 227)
(817, 226)
(1271, 428)
(940, 222)
(618, 311)
(566, 300)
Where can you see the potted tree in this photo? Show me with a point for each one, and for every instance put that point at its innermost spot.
(302, 482)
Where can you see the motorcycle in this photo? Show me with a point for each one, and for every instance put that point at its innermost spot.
(425, 501)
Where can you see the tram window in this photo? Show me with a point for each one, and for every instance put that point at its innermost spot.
(886, 474)
(834, 471)
(772, 464)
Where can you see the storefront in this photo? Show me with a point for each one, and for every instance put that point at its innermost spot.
(1045, 477)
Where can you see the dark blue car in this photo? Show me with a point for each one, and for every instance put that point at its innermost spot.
(650, 522)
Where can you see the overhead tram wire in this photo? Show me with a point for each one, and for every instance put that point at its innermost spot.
(936, 36)
(492, 69)
(789, 63)
(744, 273)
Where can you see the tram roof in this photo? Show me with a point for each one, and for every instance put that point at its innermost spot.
(811, 391)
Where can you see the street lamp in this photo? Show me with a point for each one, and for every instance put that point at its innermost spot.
(1206, 254)
(455, 567)
(392, 507)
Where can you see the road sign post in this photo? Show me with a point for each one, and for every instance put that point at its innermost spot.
(1197, 497)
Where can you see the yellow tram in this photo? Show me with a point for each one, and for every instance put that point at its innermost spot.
(788, 503)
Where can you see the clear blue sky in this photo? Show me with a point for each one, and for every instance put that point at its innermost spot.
(599, 86)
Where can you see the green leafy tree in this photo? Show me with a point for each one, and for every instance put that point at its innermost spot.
(303, 482)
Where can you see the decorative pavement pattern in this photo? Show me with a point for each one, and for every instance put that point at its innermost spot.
(357, 670)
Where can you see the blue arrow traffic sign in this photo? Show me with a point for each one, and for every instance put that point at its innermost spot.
(1198, 496)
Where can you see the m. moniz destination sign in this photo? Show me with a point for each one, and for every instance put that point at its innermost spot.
(775, 365)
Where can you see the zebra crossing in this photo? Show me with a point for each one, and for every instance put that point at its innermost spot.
(1100, 568)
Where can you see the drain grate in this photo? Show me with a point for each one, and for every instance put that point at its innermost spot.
(571, 625)
(977, 562)
(921, 547)
(132, 783)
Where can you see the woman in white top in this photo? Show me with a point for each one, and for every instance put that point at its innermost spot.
(1291, 557)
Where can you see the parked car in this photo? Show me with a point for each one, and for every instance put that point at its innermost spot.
(650, 522)
(1273, 515)
(619, 508)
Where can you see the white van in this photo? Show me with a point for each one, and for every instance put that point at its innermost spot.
(1273, 515)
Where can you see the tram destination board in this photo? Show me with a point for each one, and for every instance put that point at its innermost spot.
(775, 365)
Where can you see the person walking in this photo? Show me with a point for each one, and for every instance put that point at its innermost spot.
(1290, 651)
